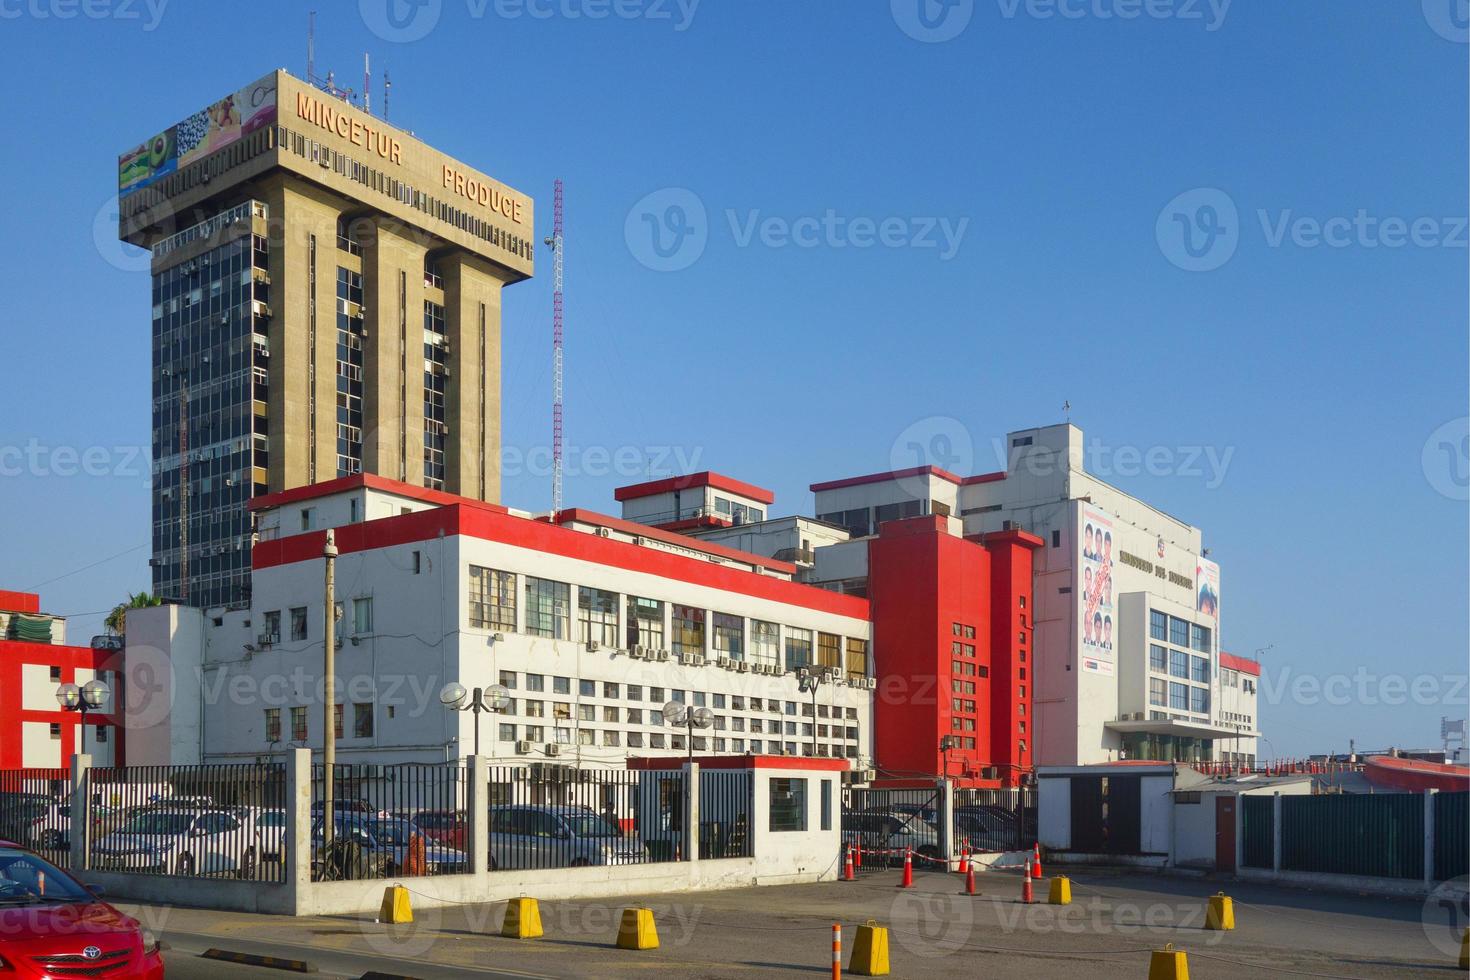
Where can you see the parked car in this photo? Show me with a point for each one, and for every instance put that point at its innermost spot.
(182, 841)
(558, 837)
(268, 825)
(23, 816)
(447, 827)
(343, 806)
(386, 840)
(49, 920)
(891, 830)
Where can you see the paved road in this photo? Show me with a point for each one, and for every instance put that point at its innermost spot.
(1115, 920)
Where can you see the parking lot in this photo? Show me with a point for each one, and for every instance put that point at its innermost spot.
(1115, 920)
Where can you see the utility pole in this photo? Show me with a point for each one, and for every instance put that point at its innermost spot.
(329, 683)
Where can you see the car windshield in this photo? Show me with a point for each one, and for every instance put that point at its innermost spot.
(273, 819)
(589, 825)
(26, 879)
(390, 832)
(158, 823)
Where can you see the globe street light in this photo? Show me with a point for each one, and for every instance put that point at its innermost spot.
(456, 697)
(88, 697)
(808, 680)
(677, 713)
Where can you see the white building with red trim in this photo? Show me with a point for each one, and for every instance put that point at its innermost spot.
(592, 623)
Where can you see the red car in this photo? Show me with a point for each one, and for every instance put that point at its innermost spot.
(445, 827)
(52, 926)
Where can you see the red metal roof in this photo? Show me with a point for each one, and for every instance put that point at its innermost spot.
(706, 478)
(1230, 661)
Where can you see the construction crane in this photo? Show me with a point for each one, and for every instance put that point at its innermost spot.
(556, 243)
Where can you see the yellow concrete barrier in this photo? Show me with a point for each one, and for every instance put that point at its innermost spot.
(1168, 964)
(637, 930)
(870, 951)
(395, 909)
(1221, 912)
(1060, 892)
(522, 919)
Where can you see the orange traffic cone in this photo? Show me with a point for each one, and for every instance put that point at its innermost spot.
(857, 858)
(1026, 897)
(970, 880)
(1036, 861)
(908, 869)
(965, 857)
(847, 874)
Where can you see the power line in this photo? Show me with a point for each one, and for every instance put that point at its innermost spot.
(102, 561)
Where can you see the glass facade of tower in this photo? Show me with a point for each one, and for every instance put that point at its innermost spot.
(349, 372)
(435, 380)
(210, 388)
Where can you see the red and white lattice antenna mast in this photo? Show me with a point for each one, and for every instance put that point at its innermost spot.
(557, 338)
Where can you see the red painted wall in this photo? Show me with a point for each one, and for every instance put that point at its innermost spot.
(921, 582)
(14, 654)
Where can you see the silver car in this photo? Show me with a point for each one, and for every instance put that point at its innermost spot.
(890, 833)
(558, 837)
(182, 841)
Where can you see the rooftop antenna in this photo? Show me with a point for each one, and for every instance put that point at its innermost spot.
(556, 242)
(311, 48)
(367, 86)
(387, 88)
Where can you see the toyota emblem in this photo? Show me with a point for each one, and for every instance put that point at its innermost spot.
(92, 952)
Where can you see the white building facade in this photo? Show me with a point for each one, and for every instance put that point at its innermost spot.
(591, 623)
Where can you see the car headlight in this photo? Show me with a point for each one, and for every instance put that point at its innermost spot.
(151, 943)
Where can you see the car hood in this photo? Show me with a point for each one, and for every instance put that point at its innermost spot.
(119, 841)
(82, 921)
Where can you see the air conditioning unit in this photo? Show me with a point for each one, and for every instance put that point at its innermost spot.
(266, 639)
(742, 666)
(724, 662)
(593, 646)
(523, 747)
(553, 749)
(661, 655)
(637, 653)
(497, 637)
(872, 683)
(603, 532)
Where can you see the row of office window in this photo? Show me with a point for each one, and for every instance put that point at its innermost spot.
(1179, 632)
(546, 610)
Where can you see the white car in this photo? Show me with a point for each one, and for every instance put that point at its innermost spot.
(180, 841)
(268, 825)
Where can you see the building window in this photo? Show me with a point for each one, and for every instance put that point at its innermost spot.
(798, 648)
(729, 635)
(1199, 669)
(829, 650)
(272, 724)
(100, 732)
(788, 805)
(362, 720)
(1199, 700)
(507, 732)
(492, 599)
(547, 608)
(857, 658)
(826, 804)
(688, 629)
(56, 730)
(1158, 658)
(272, 631)
(1178, 696)
(1158, 625)
(1056, 539)
(765, 642)
(298, 623)
(1179, 664)
(1158, 691)
(337, 714)
(1178, 631)
(1199, 637)
(597, 612)
(645, 623)
(298, 724)
(362, 615)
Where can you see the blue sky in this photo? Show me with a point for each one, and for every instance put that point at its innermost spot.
(1229, 228)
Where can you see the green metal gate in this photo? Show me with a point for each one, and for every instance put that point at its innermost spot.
(1258, 817)
(1451, 817)
(1380, 834)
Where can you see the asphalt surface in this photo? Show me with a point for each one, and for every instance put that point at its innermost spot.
(1115, 921)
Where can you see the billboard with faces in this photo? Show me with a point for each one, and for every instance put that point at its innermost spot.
(1097, 628)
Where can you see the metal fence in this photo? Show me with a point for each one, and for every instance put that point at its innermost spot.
(885, 824)
(1451, 818)
(1258, 828)
(1379, 834)
(393, 821)
(726, 813)
(554, 816)
(192, 821)
(35, 811)
(988, 820)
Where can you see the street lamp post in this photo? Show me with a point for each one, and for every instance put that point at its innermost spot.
(678, 713)
(456, 697)
(808, 681)
(947, 742)
(82, 699)
(329, 686)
